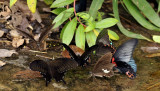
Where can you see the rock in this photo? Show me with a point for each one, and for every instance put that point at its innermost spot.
(6, 53)
(1, 33)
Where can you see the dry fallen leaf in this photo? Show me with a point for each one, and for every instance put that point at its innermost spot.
(16, 42)
(6, 53)
(15, 34)
(1, 33)
(78, 51)
(2, 63)
(27, 75)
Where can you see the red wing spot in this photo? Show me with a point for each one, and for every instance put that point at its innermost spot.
(130, 75)
(113, 61)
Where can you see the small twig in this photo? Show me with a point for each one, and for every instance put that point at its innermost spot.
(154, 85)
(36, 51)
(74, 5)
(44, 57)
(6, 41)
(70, 17)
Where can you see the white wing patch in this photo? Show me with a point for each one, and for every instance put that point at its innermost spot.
(105, 71)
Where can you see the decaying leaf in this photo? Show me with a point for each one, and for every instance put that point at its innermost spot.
(2, 63)
(14, 34)
(16, 42)
(6, 12)
(153, 55)
(6, 53)
(1, 33)
(27, 75)
(152, 49)
(77, 51)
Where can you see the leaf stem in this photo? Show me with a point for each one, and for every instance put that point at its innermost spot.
(74, 4)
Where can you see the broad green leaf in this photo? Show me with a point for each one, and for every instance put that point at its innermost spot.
(134, 11)
(62, 31)
(48, 2)
(62, 17)
(148, 11)
(105, 23)
(99, 16)
(122, 29)
(61, 3)
(156, 38)
(91, 38)
(90, 27)
(95, 6)
(69, 31)
(85, 16)
(12, 2)
(80, 37)
(58, 10)
(112, 35)
(32, 5)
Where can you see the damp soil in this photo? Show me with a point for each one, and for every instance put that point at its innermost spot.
(147, 79)
(148, 74)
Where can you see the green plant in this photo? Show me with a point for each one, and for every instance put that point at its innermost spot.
(143, 13)
(85, 26)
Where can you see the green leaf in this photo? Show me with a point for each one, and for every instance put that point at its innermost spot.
(156, 38)
(80, 37)
(90, 27)
(32, 5)
(95, 6)
(113, 35)
(69, 31)
(148, 11)
(62, 17)
(62, 31)
(12, 2)
(122, 29)
(105, 23)
(85, 16)
(58, 10)
(158, 6)
(134, 11)
(91, 38)
(99, 16)
(48, 2)
(61, 3)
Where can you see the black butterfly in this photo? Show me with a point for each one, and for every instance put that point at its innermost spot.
(104, 67)
(83, 59)
(124, 60)
(53, 69)
(57, 68)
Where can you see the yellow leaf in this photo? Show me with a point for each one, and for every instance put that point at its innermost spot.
(12, 2)
(95, 32)
(32, 5)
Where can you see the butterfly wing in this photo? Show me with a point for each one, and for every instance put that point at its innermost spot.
(102, 50)
(71, 53)
(125, 51)
(86, 54)
(39, 65)
(103, 65)
(59, 66)
(63, 64)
